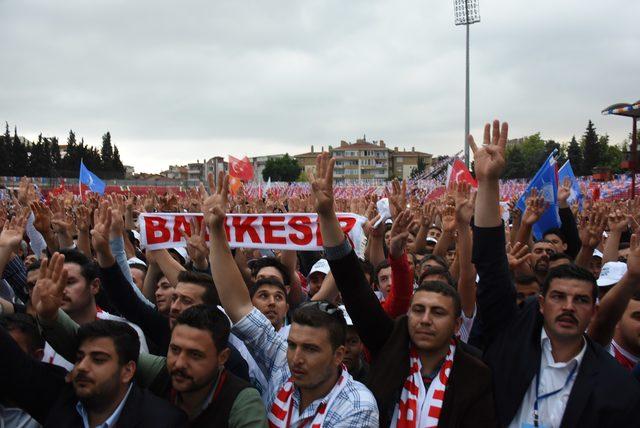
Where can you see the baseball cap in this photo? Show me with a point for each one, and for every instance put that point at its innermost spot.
(136, 261)
(321, 265)
(611, 273)
(598, 253)
(432, 240)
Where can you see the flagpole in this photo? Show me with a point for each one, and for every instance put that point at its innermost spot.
(80, 183)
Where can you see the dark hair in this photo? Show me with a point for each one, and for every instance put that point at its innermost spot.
(138, 266)
(434, 226)
(125, 339)
(88, 269)
(34, 266)
(210, 318)
(444, 289)
(264, 262)
(437, 270)
(26, 324)
(544, 241)
(559, 256)
(210, 296)
(526, 280)
(366, 267)
(438, 259)
(323, 314)
(267, 281)
(555, 231)
(382, 265)
(570, 271)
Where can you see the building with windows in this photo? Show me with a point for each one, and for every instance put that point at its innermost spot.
(259, 162)
(403, 162)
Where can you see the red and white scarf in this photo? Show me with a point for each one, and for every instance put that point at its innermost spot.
(282, 409)
(419, 407)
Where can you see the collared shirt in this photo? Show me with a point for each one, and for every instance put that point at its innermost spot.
(111, 420)
(553, 376)
(354, 407)
(624, 357)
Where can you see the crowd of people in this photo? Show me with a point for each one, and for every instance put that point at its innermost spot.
(450, 316)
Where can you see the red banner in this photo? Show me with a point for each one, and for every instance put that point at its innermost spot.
(290, 231)
(457, 173)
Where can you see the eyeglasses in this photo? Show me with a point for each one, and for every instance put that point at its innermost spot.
(323, 306)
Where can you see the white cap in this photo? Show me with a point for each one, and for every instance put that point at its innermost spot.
(611, 273)
(136, 234)
(597, 253)
(347, 318)
(136, 261)
(432, 240)
(321, 265)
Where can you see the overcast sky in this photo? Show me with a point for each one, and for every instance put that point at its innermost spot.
(183, 80)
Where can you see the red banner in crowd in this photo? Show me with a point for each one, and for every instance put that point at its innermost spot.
(240, 168)
(291, 231)
(458, 173)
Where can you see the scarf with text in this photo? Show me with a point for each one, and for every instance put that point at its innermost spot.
(420, 407)
(282, 408)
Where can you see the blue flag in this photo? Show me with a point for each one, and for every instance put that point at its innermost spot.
(546, 182)
(91, 180)
(576, 193)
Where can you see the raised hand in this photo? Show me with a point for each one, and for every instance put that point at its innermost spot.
(633, 259)
(591, 228)
(83, 219)
(197, 244)
(519, 257)
(102, 219)
(398, 198)
(322, 184)
(564, 191)
(618, 221)
(42, 218)
(465, 202)
(536, 206)
(49, 290)
(26, 192)
(214, 206)
(489, 160)
(399, 234)
(449, 219)
(13, 231)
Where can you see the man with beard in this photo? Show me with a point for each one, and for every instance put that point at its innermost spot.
(540, 254)
(101, 391)
(196, 380)
(546, 371)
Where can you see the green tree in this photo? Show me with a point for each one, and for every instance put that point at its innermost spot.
(285, 168)
(117, 168)
(516, 163)
(19, 155)
(591, 149)
(106, 156)
(574, 153)
(5, 143)
(56, 159)
(71, 162)
(550, 146)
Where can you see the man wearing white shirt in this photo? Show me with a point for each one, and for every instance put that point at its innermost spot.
(546, 371)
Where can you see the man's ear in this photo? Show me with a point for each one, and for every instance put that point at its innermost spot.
(128, 371)
(223, 356)
(338, 355)
(95, 286)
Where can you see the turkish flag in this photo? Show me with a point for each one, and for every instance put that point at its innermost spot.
(240, 168)
(458, 173)
(436, 193)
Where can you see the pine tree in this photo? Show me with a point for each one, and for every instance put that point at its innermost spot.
(516, 163)
(591, 149)
(117, 166)
(71, 161)
(106, 154)
(574, 153)
(20, 156)
(5, 142)
(56, 159)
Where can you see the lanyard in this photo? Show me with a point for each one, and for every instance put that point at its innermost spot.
(548, 394)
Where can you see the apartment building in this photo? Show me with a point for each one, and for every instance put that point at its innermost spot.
(404, 162)
(362, 160)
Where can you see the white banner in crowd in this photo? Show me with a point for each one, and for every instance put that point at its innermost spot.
(290, 231)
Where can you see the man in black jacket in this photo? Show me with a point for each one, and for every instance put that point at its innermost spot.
(546, 371)
(420, 374)
(101, 389)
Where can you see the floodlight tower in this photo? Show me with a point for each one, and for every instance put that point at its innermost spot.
(467, 12)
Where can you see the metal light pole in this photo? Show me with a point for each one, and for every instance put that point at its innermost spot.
(467, 12)
(632, 111)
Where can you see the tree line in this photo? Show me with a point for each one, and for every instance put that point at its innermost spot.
(43, 157)
(593, 150)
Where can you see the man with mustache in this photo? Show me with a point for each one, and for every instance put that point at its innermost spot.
(101, 392)
(196, 380)
(421, 375)
(307, 385)
(540, 254)
(546, 371)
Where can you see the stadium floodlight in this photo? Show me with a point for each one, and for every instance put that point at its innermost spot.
(466, 12)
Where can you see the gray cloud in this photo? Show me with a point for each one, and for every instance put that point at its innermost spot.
(179, 81)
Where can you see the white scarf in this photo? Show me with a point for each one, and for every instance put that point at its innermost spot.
(282, 409)
(420, 408)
